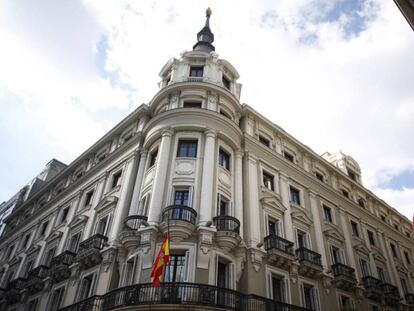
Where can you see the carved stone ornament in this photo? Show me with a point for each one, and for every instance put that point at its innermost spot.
(294, 271)
(327, 283)
(212, 99)
(173, 99)
(240, 262)
(256, 258)
(108, 257)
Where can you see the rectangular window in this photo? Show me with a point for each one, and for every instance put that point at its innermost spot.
(181, 197)
(86, 287)
(88, 198)
(224, 159)
(336, 255)
(226, 82)
(116, 179)
(175, 270)
(43, 228)
(274, 227)
(222, 206)
(371, 237)
(345, 302)
(374, 308)
(74, 242)
(365, 268)
(264, 141)
(294, 195)
(268, 181)
(153, 158)
(187, 149)
(192, 104)
(288, 156)
(302, 239)
(361, 202)
(381, 275)
(309, 297)
(355, 229)
(10, 251)
(196, 71)
(102, 227)
(396, 227)
(407, 258)
(56, 299)
(26, 241)
(394, 250)
(27, 267)
(49, 255)
(404, 286)
(327, 213)
(278, 288)
(352, 175)
(320, 176)
(345, 193)
(64, 214)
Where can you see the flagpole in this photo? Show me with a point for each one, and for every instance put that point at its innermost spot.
(168, 238)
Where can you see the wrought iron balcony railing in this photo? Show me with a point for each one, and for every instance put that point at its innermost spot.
(134, 222)
(95, 242)
(390, 290)
(16, 284)
(179, 212)
(340, 269)
(304, 254)
(189, 294)
(65, 258)
(227, 223)
(409, 299)
(278, 243)
(370, 282)
(39, 272)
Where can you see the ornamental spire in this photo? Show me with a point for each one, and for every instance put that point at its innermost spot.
(205, 37)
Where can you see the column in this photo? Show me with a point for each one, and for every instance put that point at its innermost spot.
(133, 209)
(207, 181)
(238, 189)
(320, 245)
(386, 254)
(124, 198)
(373, 266)
(287, 217)
(408, 279)
(97, 198)
(158, 187)
(348, 243)
(252, 194)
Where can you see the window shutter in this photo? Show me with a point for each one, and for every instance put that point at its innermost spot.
(186, 266)
(296, 238)
(280, 229)
(285, 290)
(230, 212)
(316, 298)
(191, 198)
(266, 225)
(302, 295)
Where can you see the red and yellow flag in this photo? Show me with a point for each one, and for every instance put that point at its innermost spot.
(163, 257)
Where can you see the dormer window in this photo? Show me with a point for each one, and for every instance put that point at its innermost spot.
(352, 175)
(288, 156)
(226, 82)
(361, 202)
(345, 193)
(320, 176)
(196, 71)
(264, 141)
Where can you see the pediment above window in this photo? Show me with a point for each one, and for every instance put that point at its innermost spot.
(361, 248)
(78, 220)
(106, 202)
(272, 201)
(300, 215)
(379, 257)
(332, 233)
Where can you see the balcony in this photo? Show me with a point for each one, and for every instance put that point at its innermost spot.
(89, 253)
(179, 296)
(59, 267)
(228, 232)
(373, 289)
(344, 276)
(35, 279)
(391, 295)
(409, 299)
(130, 237)
(310, 262)
(13, 289)
(181, 221)
(279, 251)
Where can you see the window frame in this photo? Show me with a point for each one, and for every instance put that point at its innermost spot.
(185, 148)
(266, 178)
(196, 69)
(223, 154)
(293, 189)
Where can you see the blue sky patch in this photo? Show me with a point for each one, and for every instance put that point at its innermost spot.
(400, 181)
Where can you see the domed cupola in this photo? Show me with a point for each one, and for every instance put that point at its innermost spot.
(205, 37)
(199, 78)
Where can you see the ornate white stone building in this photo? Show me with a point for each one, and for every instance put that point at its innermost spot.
(257, 220)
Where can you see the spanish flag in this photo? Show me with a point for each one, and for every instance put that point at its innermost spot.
(163, 257)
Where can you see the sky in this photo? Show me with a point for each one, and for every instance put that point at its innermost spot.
(337, 75)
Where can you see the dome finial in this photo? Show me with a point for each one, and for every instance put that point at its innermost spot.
(208, 12)
(205, 37)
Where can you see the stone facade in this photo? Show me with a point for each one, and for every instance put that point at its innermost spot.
(254, 215)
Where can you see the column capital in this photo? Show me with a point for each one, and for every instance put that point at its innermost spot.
(312, 193)
(239, 154)
(143, 153)
(251, 157)
(167, 132)
(284, 176)
(210, 133)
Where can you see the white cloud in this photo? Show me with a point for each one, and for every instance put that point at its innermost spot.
(333, 92)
